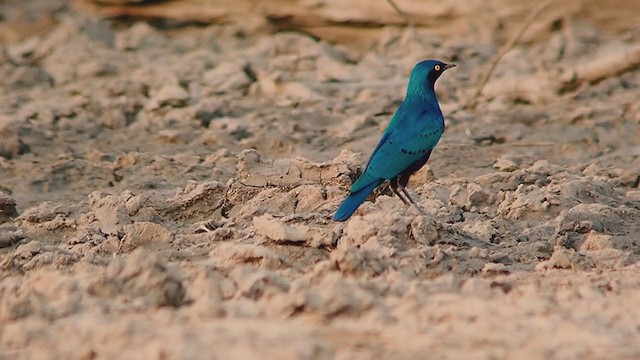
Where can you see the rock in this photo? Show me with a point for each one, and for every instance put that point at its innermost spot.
(349, 126)
(483, 230)
(495, 269)
(147, 235)
(505, 164)
(142, 279)
(425, 230)
(584, 218)
(585, 190)
(206, 294)
(390, 227)
(274, 229)
(12, 143)
(271, 85)
(227, 77)
(333, 296)
(44, 212)
(424, 176)
(25, 50)
(170, 136)
(255, 171)
(230, 255)
(95, 67)
(9, 236)
(258, 283)
(34, 254)
(525, 201)
(168, 95)
(321, 237)
(634, 195)
(595, 241)
(109, 214)
(134, 203)
(208, 110)
(611, 259)
(27, 76)
(477, 197)
(271, 200)
(309, 198)
(563, 258)
(7, 208)
(331, 69)
(196, 200)
(140, 35)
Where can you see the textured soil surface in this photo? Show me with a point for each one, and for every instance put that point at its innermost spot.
(166, 192)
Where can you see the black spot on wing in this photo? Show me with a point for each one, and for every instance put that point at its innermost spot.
(434, 132)
(414, 152)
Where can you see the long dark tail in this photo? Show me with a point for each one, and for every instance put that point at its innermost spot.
(353, 201)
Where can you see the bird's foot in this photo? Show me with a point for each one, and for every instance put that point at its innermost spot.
(394, 188)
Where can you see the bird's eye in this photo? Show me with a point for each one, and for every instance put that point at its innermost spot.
(437, 68)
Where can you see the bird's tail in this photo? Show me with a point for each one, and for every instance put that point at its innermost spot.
(353, 201)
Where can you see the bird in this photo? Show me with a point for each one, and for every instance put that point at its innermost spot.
(406, 143)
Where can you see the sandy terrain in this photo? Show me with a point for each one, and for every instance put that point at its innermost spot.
(166, 192)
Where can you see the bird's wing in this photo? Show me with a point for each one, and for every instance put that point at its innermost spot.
(383, 139)
(366, 178)
(415, 132)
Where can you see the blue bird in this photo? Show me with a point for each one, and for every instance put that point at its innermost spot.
(406, 143)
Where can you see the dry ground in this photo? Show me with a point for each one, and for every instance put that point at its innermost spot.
(173, 185)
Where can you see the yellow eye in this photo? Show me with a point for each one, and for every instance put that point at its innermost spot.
(437, 67)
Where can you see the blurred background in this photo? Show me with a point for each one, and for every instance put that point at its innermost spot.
(356, 22)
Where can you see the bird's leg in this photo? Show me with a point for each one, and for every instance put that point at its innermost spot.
(402, 185)
(406, 193)
(393, 184)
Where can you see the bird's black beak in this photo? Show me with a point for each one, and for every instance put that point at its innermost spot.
(449, 66)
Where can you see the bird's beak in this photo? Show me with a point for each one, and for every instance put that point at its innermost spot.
(449, 66)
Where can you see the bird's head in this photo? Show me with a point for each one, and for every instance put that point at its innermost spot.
(425, 74)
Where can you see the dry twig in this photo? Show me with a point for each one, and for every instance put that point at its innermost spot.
(504, 50)
(401, 12)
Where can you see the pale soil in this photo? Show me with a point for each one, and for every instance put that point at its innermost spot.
(174, 191)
